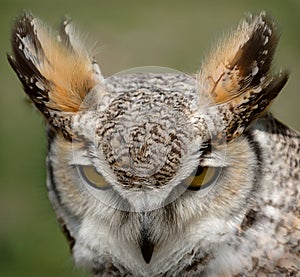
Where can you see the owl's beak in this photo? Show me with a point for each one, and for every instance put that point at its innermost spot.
(147, 248)
(146, 244)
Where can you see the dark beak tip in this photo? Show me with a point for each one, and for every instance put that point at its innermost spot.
(146, 242)
(147, 251)
(147, 257)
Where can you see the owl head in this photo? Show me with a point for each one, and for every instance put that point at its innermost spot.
(141, 157)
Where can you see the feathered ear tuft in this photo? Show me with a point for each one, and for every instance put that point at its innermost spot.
(242, 62)
(55, 70)
(237, 80)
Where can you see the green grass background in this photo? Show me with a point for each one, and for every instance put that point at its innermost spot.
(175, 34)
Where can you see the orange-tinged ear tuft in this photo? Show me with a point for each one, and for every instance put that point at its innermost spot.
(236, 81)
(242, 62)
(70, 75)
(55, 70)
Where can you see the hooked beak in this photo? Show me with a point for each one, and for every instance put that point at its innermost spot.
(146, 244)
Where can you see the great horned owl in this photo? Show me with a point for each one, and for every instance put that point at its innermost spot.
(167, 174)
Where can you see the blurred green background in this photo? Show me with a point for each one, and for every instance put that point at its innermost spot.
(175, 34)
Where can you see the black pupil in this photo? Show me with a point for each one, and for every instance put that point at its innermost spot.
(199, 171)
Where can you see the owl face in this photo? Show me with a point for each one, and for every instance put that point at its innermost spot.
(146, 167)
(135, 143)
(144, 179)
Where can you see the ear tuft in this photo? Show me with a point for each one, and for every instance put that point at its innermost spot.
(55, 70)
(237, 80)
(242, 62)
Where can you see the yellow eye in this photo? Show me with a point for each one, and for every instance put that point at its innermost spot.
(93, 178)
(201, 178)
